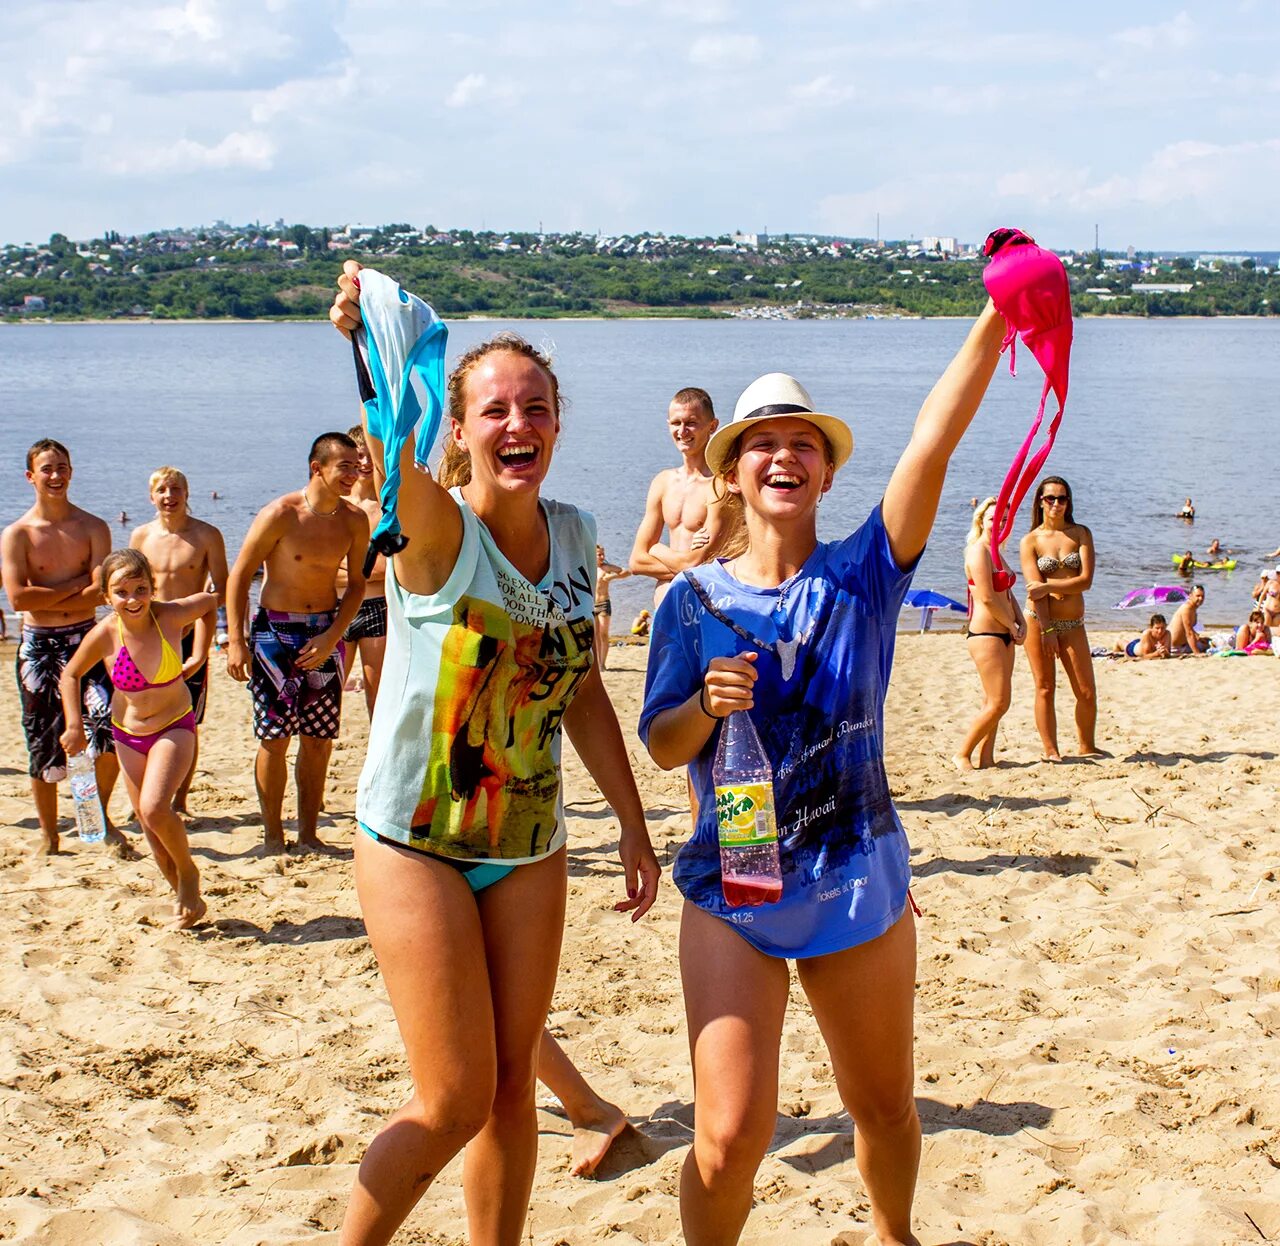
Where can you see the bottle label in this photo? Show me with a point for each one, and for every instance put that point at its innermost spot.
(744, 814)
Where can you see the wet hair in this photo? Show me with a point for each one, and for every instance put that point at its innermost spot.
(979, 517)
(328, 446)
(132, 562)
(44, 445)
(161, 474)
(692, 396)
(1197, 586)
(455, 465)
(1157, 618)
(1037, 512)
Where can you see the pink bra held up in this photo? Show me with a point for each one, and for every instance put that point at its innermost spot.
(1029, 288)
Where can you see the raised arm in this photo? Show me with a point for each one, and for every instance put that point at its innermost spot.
(911, 499)
(184, 610)
(428, 515)
(593, 729)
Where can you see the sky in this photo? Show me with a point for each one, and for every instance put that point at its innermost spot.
(1156, 123)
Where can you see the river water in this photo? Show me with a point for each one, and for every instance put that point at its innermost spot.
(1158, 410)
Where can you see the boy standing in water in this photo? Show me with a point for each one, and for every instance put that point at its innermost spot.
(51, 558)
(186, 556)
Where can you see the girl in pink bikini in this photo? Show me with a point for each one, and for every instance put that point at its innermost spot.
(152, 720)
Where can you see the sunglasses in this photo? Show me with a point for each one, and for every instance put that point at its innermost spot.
(1054, 499)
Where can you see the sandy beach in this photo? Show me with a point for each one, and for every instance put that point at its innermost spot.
(1098, 1007)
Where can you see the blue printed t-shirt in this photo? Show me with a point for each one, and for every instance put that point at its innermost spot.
(464, 746)
(819, 709)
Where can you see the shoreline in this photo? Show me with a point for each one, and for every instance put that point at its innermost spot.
(48, 322)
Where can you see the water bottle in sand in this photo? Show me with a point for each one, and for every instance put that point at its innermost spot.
(90, 821)
(749, 867)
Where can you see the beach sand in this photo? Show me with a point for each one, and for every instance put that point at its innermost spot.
(1098, 1007)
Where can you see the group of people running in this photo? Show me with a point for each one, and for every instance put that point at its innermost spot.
(487, 617)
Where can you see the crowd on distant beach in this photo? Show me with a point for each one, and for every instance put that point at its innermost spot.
(473, 613)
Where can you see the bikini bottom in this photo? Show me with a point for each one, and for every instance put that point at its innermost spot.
(144, 743)
(1008, 640)
(477, 874)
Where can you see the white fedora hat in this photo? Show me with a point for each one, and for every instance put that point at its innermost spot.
(777, 396)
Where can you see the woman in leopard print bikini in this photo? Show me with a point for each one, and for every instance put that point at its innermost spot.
(1057, 563)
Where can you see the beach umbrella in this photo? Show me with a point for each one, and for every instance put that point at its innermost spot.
(1155, 595)
(927, 601)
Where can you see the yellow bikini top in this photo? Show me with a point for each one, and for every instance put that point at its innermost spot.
(125, 674)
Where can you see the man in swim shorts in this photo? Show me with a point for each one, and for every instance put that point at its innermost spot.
(51, 558)
(366, 638)
(679, 499)
(186, 555)
(294, 660)
(1182, 632)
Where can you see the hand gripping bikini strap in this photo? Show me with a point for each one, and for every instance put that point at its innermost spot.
(393, 411)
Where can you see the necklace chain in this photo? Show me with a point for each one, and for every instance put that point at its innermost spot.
(321, 514)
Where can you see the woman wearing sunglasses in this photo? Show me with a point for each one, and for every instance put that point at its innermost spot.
(1057, 563)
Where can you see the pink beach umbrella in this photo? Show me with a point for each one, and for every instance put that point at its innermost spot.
(1029, 288)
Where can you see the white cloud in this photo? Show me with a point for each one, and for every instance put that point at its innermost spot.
(466, 90)
(725, 51)
(825, 89)
(1177, 32)
(240, 150)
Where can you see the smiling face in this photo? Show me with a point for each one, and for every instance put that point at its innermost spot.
(509, 424)
(50, 473)
(129, 594)
(690, 426)
(783, 468)
(339, 471)
(169, 496)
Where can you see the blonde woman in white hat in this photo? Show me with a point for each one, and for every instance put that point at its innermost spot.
(801, 632)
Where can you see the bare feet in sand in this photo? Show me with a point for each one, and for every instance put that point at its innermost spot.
(593, 1135)
(121, 846)
(962, 764)
(190, 914)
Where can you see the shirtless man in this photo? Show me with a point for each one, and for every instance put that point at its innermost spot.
(679, 498)
(367, 634)
(1182, 632)
(187, 555)
(294, 673)
(51, 558)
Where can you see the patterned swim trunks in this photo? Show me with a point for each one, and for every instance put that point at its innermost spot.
(288, 701)
(370, 621)
(42, 654)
